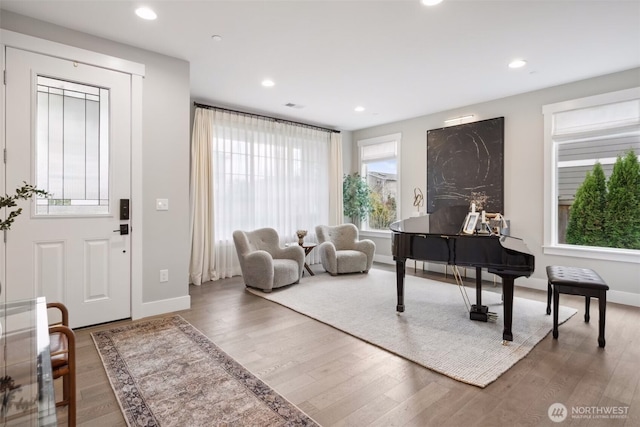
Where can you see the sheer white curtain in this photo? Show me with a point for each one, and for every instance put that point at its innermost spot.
(336, 208)
(263, 173)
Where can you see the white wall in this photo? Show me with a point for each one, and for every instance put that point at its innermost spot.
(165, 150)
(524, 181)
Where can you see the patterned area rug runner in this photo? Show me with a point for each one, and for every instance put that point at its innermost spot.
(165, 372)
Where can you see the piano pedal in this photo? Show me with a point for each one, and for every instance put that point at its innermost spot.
(482, 314)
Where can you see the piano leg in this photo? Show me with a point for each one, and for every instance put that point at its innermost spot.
(507, 291)
(400, 265)
(478, 311)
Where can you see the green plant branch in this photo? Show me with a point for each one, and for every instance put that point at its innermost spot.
(25, 192)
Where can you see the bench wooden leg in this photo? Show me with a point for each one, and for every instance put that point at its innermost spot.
(602, 304)
(549, 291)
(587, 305)
(556, 304)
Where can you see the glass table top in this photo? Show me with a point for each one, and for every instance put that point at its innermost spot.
(26, 382)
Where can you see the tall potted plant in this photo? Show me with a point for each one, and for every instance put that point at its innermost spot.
(356, 197)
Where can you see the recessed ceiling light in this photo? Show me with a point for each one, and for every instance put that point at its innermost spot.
(359, 109)
(268, 83)
(517, 63)
(216, 38)
(146, 13)
(430, 2)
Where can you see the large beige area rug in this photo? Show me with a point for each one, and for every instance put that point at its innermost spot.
(434, 330)
(164, 372)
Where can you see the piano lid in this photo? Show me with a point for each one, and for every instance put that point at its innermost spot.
(418, 224)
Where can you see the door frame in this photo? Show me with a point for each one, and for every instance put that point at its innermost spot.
(137, 72)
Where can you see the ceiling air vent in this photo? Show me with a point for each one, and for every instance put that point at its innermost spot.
(292, 105)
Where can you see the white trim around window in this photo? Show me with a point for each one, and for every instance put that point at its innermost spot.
(551, 245)
(387, 145)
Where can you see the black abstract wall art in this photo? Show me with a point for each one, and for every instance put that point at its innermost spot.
(465, 164)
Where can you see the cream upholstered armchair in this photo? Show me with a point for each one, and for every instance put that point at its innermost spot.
(342, 252)
(264, 264)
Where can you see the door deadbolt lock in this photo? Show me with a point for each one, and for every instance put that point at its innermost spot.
(124, 229)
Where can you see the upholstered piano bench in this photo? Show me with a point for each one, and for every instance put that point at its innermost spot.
(577, 281)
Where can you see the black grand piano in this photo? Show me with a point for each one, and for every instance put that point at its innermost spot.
(506, 256)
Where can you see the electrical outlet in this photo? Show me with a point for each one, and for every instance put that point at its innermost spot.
(164, 276)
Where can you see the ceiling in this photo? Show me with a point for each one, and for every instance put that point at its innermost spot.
(398, 59)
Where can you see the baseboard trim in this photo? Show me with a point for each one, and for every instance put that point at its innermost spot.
(164, 306)
(384, 259)
(624, 298)
(618, 297)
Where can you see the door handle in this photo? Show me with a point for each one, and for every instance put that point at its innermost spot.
(124, 229)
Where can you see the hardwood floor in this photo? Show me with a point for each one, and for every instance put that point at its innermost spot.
(341, 381)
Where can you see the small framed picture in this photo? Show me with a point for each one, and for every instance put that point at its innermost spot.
(469, 226)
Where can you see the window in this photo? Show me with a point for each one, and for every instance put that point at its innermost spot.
(379, 166)
(581, 136)
(72, 149)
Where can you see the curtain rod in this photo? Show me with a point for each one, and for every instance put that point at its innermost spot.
(212, 107)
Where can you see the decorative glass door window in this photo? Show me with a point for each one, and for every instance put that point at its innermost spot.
(72, 148)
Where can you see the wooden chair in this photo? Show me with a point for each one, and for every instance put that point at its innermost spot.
(63, 360)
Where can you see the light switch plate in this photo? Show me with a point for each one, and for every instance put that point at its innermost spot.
(162, 204)
(164, 276)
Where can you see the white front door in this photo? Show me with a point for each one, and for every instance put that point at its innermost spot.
(68, 131)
